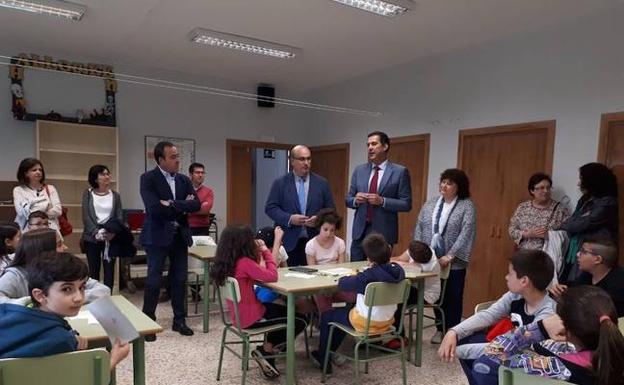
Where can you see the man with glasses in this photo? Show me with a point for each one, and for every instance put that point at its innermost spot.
(293, 202)
(598, 262)
(200, 221)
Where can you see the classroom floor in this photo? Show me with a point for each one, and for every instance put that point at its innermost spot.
(174, 359)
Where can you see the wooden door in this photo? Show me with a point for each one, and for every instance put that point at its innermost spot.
(332, 163)
(499, 161)
(240, 178)
(413, 153)
(611, 153)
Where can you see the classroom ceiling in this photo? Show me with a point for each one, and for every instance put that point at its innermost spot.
(337, 42)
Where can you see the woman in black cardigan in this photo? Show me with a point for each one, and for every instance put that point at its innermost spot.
(100, 204)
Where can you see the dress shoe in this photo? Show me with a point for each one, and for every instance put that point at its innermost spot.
(182, 328)
(150, 337)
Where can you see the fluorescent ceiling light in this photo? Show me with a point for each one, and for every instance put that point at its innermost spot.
(390, 8)
(47, 7)
(242, 43)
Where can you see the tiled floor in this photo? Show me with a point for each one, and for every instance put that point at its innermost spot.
(174, 359)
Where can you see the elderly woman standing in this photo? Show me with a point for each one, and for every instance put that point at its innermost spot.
(533, 219)
(448, 224)
(33, 194)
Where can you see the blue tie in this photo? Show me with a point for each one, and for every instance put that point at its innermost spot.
(302, 195)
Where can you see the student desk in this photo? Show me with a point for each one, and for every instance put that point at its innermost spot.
(206, 255)
(295, 286)
(143, 324)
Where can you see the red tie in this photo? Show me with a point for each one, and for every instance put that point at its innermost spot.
(372, 189)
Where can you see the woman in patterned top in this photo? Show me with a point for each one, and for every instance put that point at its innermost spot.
(533, 219)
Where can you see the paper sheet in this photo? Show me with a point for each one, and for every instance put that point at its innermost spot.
(337, 271)
(114, 322)
(294, 274)
(203, 240)
(85, 314)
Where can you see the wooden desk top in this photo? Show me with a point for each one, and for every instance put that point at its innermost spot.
(320, 282)
(94, 332)
(207, 252)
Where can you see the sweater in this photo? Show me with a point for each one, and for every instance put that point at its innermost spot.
(459, 234)
(247, 272)
(382, 317)
(30, 332)
(27, 200)
(201, 218)
(14, 285)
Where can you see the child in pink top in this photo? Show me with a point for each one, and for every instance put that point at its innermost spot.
(327, 248)
(239, 256)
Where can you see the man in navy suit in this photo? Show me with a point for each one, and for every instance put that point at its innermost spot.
(293, 202)
(168, 197)
(379, 190)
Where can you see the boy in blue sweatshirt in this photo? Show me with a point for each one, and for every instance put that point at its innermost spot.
(378, 253)
(57, 287)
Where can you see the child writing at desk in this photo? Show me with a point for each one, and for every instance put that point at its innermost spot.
(239, 255)
(56, 283)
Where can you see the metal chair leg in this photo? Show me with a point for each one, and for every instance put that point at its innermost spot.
(221, 354)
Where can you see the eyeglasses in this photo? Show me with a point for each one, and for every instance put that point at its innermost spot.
(585, 251)
(304, 159)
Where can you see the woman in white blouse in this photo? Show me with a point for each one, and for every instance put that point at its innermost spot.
(99, 205)
(33, 194)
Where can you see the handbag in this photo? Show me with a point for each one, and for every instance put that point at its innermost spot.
(65, 228)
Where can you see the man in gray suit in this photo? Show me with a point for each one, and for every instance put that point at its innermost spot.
(379, 190)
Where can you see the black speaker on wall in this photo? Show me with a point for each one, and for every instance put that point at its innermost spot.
(266, 95)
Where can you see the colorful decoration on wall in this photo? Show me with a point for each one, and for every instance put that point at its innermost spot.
(105, 116)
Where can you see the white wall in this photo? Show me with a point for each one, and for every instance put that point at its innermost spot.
(572, 73)
(143, 110)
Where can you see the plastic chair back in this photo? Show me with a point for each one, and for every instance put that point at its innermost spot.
(230, 291)
(86, 367)
(508, 376)
(482, 306)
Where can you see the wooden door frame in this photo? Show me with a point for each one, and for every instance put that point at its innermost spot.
(418, 138)
(603, 134)
(518, 127)
(229, 145)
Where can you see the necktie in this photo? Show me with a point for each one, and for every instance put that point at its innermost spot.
(372, 189)
(302, 194)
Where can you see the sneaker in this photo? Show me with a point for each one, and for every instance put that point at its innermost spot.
(395, 344)
(318, 361)
(267, 365)
(437, 338)
(338, 360)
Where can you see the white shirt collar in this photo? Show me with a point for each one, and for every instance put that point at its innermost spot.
(166, 173)
(382, 165)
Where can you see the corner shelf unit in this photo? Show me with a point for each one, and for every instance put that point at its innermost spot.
(67, 151)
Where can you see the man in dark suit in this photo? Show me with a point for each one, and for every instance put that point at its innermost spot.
(379, 190)
(293, 202)
(168, 197)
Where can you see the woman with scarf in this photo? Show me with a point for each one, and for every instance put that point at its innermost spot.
(448, 224)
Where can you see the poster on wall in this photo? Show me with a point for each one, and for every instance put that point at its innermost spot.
(186, 150)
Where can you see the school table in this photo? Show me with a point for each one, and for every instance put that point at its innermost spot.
(142, 323)
(320, 282)
(206, 255)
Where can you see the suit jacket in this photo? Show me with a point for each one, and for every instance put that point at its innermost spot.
(158, 228)
(396, 190)
(283, 201)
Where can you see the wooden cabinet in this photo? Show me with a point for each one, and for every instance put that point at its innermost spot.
(499, 162)
(67, 151)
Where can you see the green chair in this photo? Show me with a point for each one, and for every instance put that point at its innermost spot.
(507, 376)
(411, 309)
(231, 291)
(482, 306)
(86, 367)
(376, 294)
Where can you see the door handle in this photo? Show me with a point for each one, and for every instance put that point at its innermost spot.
(492, 232)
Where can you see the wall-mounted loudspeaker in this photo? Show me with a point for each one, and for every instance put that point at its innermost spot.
(266, 94)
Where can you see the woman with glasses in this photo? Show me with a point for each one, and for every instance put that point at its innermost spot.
(533, 219)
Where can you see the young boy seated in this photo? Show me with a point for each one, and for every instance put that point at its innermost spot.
(41, 220)
(377, 252)
(419, 255)
(56, 283)
(530, 273)
(597, 260)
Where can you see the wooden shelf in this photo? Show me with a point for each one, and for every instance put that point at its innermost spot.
(77, 152)
(77, 178)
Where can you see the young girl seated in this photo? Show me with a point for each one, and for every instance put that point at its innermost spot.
(587, 320)
(14, 281)
(327, 248)
(239, 255)
(10, 235)
(272, 238)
